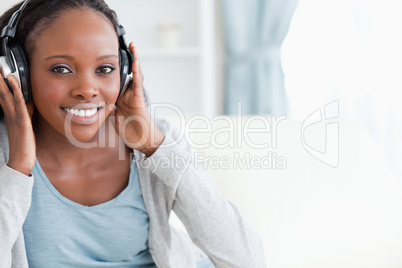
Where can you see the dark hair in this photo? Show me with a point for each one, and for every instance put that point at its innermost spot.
(38, 15)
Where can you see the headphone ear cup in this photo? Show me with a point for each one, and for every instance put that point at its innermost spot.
(22, 66)
(124, 71)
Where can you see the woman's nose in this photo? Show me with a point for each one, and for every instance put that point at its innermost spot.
(85, 88)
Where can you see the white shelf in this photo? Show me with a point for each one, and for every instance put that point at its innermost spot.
(183, 76)
(179, 52)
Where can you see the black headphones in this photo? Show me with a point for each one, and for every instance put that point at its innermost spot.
(13, 60)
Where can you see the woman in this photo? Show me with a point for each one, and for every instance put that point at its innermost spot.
(70, 195)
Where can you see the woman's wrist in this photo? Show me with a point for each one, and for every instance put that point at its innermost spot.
(20, 168)
(150, 148)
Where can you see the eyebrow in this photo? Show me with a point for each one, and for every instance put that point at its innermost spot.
(106, 57)
(72, 58)
(60, 56)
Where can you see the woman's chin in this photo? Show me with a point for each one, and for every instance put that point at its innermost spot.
(92, 136)
(83, 138)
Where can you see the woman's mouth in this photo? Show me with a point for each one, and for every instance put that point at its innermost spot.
(82, 112)
(82, 115)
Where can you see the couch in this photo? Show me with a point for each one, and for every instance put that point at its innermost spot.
(319, 193)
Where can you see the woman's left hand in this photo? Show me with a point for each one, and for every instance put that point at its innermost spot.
(132, 119)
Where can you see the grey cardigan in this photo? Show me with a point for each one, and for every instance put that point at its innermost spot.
(214, 225)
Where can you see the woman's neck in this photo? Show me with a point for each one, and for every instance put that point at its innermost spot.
(54, 147)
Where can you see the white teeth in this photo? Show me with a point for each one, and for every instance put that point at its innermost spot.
(82, 113)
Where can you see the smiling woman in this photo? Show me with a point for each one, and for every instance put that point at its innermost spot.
(68, 201)
(66, 71)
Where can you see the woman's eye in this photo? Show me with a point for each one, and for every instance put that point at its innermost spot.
(105, 69)
(61, 70)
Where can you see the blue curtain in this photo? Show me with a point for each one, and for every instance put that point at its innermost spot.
(254, 33)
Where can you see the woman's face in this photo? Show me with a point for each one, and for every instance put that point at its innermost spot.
(75, 73)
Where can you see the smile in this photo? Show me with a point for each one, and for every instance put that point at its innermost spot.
(82, 112)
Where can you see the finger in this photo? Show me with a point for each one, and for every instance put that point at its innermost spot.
(137, 79)
(18, 96)
(6, 97)
(141, 74)
(15, 87)
(135, 53)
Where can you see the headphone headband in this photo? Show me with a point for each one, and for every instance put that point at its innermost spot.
(9, 31)
(123, 45)
(11, 27)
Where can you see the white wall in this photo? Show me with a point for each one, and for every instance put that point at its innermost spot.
(6, 4)
(220, 59)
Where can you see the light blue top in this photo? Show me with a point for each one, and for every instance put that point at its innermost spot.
(216, 225)
(62, 233)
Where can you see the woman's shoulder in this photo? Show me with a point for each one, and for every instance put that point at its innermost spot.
(175, 135)
(172, 129)
(163, 124)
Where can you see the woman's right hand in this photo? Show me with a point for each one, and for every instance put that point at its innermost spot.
(18, 117)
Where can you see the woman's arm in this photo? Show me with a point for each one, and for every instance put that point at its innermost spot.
(17, 149)
(15, 200)
(213, 223)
